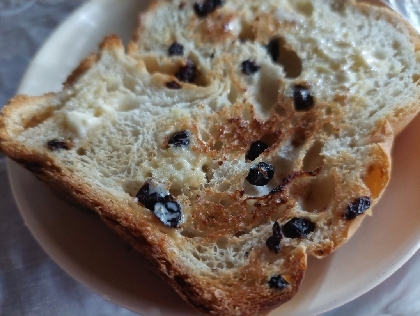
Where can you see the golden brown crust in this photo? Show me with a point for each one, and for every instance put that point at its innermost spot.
(110, 42)
(84, 66)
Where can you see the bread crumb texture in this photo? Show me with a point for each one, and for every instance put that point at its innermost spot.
(312, 90)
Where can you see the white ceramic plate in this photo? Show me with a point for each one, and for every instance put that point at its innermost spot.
(89, 252)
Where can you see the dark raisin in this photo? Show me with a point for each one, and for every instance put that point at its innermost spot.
(277, 282)
(173, 85)
(255, 150)
(273, 242)
(203, 8)
(298, 227)
(176, 49)
(187, 73)
(56, 144)
(359, 206)
(169, 213)
(277, 230)
(260, 174)
(273, 49)
(157, 199)
(249, 67)
(180, 139)
(149, 197)
(302, 98)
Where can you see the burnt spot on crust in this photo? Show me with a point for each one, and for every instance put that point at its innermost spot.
(173, 84)
(57, 144)
(187, 73)
(273, 242)
(260, 174)
(298, 227)
(249, 67)
(302, 98)
(277, 282)
(203, 8)
(176, 49)
(180, 139)
(255, 150)
(357, 207)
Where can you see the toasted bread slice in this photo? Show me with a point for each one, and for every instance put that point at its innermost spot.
(233, 140)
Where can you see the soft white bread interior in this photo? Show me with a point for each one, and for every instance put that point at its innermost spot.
(234, 139)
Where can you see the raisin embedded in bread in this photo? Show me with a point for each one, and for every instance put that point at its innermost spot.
(232, 140)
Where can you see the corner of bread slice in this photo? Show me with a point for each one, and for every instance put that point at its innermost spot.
(21, 113)
(109, 43)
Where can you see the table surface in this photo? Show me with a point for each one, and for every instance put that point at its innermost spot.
(30, 282)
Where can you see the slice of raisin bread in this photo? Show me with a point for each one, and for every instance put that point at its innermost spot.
(234, 139)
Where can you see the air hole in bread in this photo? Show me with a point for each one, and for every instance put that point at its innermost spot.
(222, 243)
(196, 255)
(218, 145)
(208, 172)
(250, 205)
(318, 195)
(268, 89)
(328, 128)
(313, 158)
(299, 137)
(328, 110)
(98, 112)
(233, 95)
(175, 191)
(129, 83)
(283, 168)
(247, 33)
(229, 264)
(240, 233)
(226, 202)
(153, 65)
(81, 151)
(188, 234)
(220, 266)
(201, 249)
(170, 67)
(287, 58)
(337, 6)
(416, 78)
(304, 7)
(223, 187)
(280, 110)
(396, 45)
